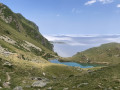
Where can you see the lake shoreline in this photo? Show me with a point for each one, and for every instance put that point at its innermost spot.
(66, 60)
(75, 64)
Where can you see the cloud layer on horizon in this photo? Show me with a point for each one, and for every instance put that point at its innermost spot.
(82, 40)
(76, 43)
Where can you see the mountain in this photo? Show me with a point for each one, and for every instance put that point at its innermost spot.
(105, 54)
(17, 22)
(24, 64)
(24, 55)
(22, 34)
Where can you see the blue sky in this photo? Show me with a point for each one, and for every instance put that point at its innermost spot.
(70, 16)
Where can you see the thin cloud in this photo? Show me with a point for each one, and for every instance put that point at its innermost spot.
(73, 10)
(81, 35)
(118, 5)
(90, 2)
(76, 44)
(101, 1)
(106, 1)
(113, 39)
(58, 15)
(77, 11)
(54, 38)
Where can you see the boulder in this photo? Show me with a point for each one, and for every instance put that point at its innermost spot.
(36, 78)
(66, 89)
(73, 87)
(50, 88)
(39, 84)
(7, 64)
(18, 88)
(6, 84)
(117, 80)
(54, 77)
(82, 84)
(28, 86)
(0, 87)
(44, 74)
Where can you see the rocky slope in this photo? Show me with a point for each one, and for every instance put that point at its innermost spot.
(22, 25)
(23, 34)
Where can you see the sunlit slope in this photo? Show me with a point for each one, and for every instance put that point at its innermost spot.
(23, 34)
(104, 54)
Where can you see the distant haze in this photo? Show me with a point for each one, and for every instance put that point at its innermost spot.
(68, 45)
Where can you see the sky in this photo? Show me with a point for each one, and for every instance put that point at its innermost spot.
(70, 16)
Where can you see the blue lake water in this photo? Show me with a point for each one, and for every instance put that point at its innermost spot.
(81, 65)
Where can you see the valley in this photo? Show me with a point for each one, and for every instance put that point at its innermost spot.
(25, 55)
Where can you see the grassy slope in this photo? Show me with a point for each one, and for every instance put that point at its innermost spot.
(107, 78)
(20, 30)
(106, 53)
(66, 77)
(24, 26)
(15, 35)
(24, 69)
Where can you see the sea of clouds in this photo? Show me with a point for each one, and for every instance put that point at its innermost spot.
(68, 45)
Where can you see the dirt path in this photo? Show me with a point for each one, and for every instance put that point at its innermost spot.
(8, 76)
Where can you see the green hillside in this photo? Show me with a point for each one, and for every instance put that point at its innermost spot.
(23, 26)
(23, 34)
(25, 75)
(24, 64)
(104, 54)
(24, 55)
